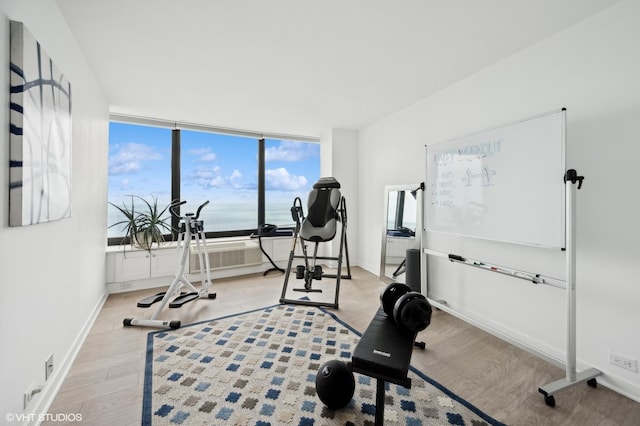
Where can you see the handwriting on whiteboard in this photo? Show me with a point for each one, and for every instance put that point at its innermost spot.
(466, 166)
(504, 183)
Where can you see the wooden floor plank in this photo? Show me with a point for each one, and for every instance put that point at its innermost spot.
(105, 381)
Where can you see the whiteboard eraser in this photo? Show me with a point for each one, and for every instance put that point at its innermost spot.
(456, 257)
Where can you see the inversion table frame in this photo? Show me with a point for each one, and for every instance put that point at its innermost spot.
(344, 251)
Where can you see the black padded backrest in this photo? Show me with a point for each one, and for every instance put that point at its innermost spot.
(321, 207)
(320, 223)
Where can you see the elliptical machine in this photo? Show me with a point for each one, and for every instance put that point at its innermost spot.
(190, 227)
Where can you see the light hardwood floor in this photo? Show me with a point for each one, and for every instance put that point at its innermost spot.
(106, 379)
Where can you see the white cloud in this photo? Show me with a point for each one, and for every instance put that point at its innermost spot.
(203, 173)
(290, 151)
(212, 178)
(129, 158)
(235, 179)
(217, 182)
(203, 154)
(198, 151)
(123, 168)
(281, 179)
(208, 158)
(124, 184)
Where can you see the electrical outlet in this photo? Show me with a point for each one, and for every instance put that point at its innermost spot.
(48, 367)
(30, 393)
(623, 362)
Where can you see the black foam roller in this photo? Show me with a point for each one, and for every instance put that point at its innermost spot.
(413, 269)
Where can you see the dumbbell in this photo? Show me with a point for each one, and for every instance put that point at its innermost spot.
(408, 309)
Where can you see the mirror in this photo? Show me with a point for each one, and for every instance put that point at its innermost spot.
(402, 216)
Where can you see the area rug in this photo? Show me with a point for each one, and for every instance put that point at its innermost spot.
(259, 367)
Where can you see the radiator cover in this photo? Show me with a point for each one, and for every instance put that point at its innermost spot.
(227, 255)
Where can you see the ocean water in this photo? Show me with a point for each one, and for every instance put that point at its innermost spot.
(225, 216)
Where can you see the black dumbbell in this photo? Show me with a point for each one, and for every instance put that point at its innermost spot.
(408, 309)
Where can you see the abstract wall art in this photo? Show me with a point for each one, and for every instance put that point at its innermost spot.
(40, 134)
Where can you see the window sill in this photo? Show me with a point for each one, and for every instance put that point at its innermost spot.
(173, 244)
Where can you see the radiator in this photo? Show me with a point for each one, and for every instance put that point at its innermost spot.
(227, 255)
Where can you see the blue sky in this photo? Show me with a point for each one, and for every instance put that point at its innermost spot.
(215, 167)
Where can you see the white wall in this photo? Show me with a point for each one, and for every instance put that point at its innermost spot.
(591, 69)
(338, 158)
(52, 274)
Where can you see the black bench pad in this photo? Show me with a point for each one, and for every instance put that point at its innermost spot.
(384, 351)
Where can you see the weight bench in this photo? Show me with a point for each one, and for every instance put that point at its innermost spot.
(384, 353)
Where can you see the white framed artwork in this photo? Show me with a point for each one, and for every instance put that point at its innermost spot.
(40, 134)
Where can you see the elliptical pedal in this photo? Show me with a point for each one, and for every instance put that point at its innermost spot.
(184, 298)
(148, 301)
(188, 297)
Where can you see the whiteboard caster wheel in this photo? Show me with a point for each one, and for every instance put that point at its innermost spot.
(550, 400)
(593, 383)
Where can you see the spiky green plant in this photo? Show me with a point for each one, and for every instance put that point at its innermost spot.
(146, 226)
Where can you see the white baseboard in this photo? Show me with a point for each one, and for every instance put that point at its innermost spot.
(374, 269)
(621, 386)
(551, 355)
(62, 369)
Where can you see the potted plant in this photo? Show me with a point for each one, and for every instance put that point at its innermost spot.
(145, 226)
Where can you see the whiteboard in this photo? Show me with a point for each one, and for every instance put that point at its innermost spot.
(504, 184)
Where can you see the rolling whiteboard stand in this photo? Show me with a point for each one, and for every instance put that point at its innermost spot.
(572, 377)
(488, 184)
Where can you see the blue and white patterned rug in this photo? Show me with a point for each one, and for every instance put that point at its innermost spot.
(259, 367)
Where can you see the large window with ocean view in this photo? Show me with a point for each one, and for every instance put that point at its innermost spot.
(291, 169)
(156, 162)
(139, 165)
(222, 169)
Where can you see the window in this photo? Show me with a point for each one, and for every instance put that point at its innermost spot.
(291, 169)
(223, 168)
(401, 211)
(139, 164)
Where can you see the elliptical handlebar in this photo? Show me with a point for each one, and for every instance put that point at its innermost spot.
(200, 208)
(174, 205)
(175, 213)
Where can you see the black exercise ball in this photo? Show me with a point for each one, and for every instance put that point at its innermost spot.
(335, 384)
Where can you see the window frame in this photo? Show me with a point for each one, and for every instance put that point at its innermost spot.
(176, 128)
